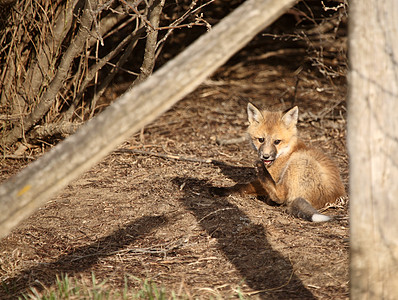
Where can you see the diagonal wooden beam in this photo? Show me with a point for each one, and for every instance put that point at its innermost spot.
(33, 186)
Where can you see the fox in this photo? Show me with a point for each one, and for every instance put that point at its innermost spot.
(289, 172)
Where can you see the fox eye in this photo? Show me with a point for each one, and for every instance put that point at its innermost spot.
(277, 142)
(261, 140)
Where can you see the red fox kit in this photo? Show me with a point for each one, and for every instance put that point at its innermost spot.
(289, 172)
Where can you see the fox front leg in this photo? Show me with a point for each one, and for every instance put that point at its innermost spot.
(275, 192)
(252, 188)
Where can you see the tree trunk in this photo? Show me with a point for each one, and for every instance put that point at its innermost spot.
(373, 149)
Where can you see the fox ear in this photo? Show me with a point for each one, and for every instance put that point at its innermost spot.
(253, 114)
(290, 117)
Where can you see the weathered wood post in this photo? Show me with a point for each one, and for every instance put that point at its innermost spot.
(373, 148)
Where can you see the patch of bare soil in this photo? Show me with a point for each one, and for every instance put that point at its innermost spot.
(152, 217)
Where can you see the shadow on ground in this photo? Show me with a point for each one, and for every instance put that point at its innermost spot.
(80, 259)
(244, 243)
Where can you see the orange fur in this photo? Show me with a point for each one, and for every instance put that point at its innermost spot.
(289, 171)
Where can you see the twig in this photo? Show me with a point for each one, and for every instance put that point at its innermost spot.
(232, 141)
(335, 8)
(121, 61)
(64, 129)
(164, 155)
(11, 117)
(101, 62)
(340, 202)
(120, 26)
(12, 156)
(118, 67)
(160, 249)
(215, 212)
(292, 51)
(130, 39)
(176, 23)
(151, 40)
(144, 19)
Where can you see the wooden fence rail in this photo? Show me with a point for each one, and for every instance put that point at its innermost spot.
(33, 186)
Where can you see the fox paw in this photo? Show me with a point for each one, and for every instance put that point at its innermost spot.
(260, 168)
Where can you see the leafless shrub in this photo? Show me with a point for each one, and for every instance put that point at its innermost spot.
(323, 33)
(58, 57)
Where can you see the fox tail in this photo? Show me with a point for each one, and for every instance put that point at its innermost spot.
(301, 208)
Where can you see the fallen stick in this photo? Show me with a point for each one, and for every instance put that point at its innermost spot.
(165, 155)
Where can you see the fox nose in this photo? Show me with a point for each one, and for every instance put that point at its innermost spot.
(266, 156)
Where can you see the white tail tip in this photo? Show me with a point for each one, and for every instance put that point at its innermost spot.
(320, 218)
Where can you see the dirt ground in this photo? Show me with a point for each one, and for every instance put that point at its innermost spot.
(152, 217)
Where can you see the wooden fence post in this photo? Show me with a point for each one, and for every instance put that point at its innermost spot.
(29, 189)
(373, 148)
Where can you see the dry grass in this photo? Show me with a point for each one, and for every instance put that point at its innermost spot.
(151, 217)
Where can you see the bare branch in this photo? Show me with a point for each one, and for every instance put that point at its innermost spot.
(63, 129)
(166, 156)
(127, 52)
(48, 97)
(42, 71)
(176, 24)
(151, 41)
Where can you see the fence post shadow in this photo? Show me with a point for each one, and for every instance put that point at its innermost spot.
(79, 259)
(244, 243)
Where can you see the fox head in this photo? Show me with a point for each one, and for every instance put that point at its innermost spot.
(272, 133)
